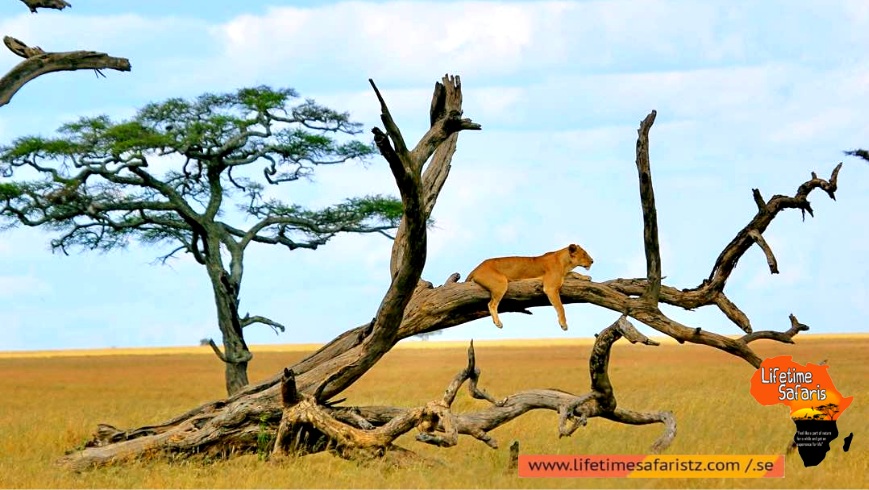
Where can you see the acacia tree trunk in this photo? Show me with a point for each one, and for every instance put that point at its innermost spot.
(294, 407)
(236, 354)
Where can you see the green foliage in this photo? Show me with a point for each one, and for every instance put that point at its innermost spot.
(97, 185)
(263, 438)
(10, 190)
(387, 208)
(256, 124)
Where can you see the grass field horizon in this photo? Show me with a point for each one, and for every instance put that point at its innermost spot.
(410, 343)
(53, 403)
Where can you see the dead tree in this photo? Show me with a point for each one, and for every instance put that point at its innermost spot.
(295, 408)
(37, 62)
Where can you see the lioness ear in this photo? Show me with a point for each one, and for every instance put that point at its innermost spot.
(572, 248)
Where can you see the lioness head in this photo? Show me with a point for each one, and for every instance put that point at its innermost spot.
(579, 257)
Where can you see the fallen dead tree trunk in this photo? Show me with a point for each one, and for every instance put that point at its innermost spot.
(307, 426)
(412, 306)
(351, 432)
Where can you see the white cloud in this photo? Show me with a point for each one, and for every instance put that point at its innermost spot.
(467, 37)
(409, 41)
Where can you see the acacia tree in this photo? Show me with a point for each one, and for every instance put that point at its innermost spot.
(37, 62)
(296, 409)
(98, 188)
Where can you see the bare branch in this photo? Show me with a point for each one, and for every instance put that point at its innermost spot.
(728, 258)
(391, 128)
(46, 4)
(38, 64)
(165, 258)
(391, 155)
(770, 258)
(758, 199)
(785, 337)
(733, 312)
(315, 227)
(195, 242)
(650, 214)
(243, 357)
(19, 48)
(217, 350)
(387, 235)
(446, 102)
(447, 123)
(250, 320)
(666, 418)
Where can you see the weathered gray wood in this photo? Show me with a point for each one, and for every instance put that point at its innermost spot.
(412, 306)
(650, 213)
(37, 62)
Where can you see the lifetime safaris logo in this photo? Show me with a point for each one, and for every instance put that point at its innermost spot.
(814, 401)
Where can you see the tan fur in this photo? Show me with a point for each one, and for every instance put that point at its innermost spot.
(495, 274)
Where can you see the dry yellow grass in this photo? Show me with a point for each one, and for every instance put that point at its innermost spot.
(51, 403)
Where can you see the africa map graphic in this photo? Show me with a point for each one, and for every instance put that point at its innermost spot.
(814, 402)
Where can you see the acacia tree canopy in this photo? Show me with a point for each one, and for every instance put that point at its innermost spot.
(97, 184)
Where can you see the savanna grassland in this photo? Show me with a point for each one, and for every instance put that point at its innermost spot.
(49, 404)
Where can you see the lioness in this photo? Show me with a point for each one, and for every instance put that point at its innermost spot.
(494, 274)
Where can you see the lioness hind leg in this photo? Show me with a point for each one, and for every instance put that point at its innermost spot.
(498, 291)
(553, 293)
(496, 284)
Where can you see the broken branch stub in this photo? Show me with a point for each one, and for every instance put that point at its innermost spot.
(37, 63)
(45, 4)
(650, 213)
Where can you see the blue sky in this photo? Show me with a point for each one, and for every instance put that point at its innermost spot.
(748, 94)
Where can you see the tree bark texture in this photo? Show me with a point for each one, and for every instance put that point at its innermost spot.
(295, 405)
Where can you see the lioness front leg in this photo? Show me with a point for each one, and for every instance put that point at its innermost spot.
(552, 290)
